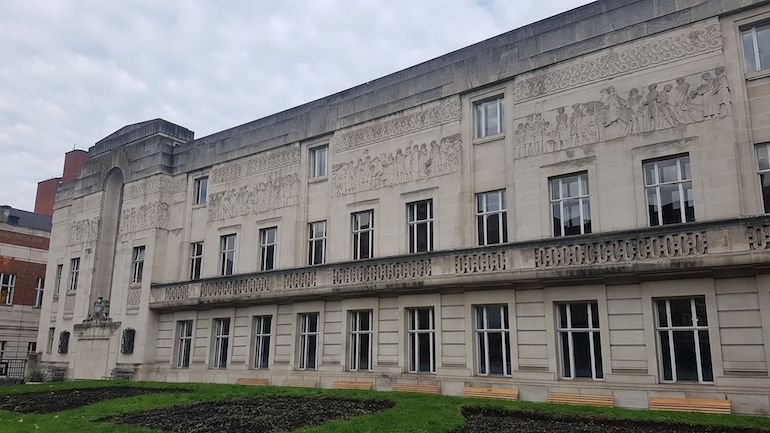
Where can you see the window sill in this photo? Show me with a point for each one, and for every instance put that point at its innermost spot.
(318, 179)
(135, 285)
(200, 205)
(757, 75)
(489, 139)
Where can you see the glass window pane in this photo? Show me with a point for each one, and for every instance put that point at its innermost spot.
(579, 315)
(594, 315)
(363, 352)
(668, 171)
(424, 349)
(492, 125)
(311, 351)
(705, 356)
(479, 317)
(584, 183)
(581, 348)
(565, 354)
(312, 325)
(422, 237)
(598, 355)
(493, 229)
(681, 312)
(762, 157)
(684, 352)
(571, 186)
(763, 42)
(662, 318)
(765, 181)
(493, 201)
(479, 120)
(700, 310)
(495, 353)
(665, 352)
(586, 216)
(571, 217)
(422, 210)
(689, 202)
(482, 353)
(494, 320)
(563, 315)
(364, 252)
(555, 189)
(556, 212)
(670, 204)
(748, 50)
(423, 319)
(684, 164)
(649, 174)
(652, 206)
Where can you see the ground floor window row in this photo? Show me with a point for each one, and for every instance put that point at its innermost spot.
(681, 328)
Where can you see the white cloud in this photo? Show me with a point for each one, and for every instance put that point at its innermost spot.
(74, 71)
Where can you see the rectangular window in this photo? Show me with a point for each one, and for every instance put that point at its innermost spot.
(490, 117)
(137, 265)
(491, 217)
(683, 339)
(419, 221)
(39, 287)
(422, 340)
(201, 190)
(763, 160)
(493, 340)
(262, 341)
(363, 235)
(227, 255)
(570, 207)
(7, 284)
(360, 340)
(316, 253)
(74, 273)
(31, 347)
(308, 341)
(184, 331)
(268, 242)
(221, 343)
(668, 187)
(196, 260)
(756, 47)
(59, 272)
(2, 350)
(318, 157)
(51, 339)
(581, 349)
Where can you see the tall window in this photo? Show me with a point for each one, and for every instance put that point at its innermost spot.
(184, 332)
(59, 272)
(308, 341)
(262, 341)
(39, 287)
(491, 217)
(360, 340)
(137, 265)
(221, 343)
(2, 350)
(581, 349)
(318, 161)
(419, 220)
(227, 254)
(7, 284)
(493, 340)
(31, 348)
(756, 47)
(422, 340)
(668, 187)
(201, 190)
(64, 342)
(683, 338)
(570, 207)
(490, 117)
(268, 242)
(763, 159)
(74, 273)
(363, 235)
(316, 253)
(51, 339)
(196, 260)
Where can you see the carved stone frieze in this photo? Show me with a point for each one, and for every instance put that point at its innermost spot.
(235, 287)
(267, 193)
(263, 161)
(154, 184)
(86, 204)
(415, 162)
(299, 280)
(658, 51)
(758, 237)
(444, 111)
(85, 230)
(622, 251)
(392, 271)
(144, 217)
(476, 263)
(643, 109)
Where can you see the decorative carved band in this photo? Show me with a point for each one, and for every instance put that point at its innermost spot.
(759, 237)
(176, 293)
(258, 163)
(144, 217)
(400, 270)
(480, 263)
(659, 51)
(153, 184)
(235, 287)
(87, 203)
(299, 280)
(446, 110)
(81, 231)
(271, 192)
(625, 250)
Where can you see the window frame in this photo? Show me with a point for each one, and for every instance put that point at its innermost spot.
(313, 239)
(305, 335)
(583, 199)
(57, 279)
(51, 339)
(31, 347)
(226, 253)
(670, 329)
(359, 232)
(680, 182)
(74, 275)
(220, 342)
(594, 328)
(137, 264)
(316, 171)
(413, 225)
(39, 292)
(480, 124)
(483, 357)
(3, 344)
(261, 341)
(413, 339)
(183, 355)
(483, 215)
(268, 248)
(355, 337)
(200, 191)
(762, 172)
(196, 260)
(7, 285)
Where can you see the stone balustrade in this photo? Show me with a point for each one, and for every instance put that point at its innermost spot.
(695, 246)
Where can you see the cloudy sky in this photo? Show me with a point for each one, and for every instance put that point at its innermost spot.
(73, 71)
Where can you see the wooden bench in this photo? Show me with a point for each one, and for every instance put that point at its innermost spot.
(251, 381)
(702, 405)
(347, 384)
(423, 388)
(498, 393)
(581, 399)
(299, 383)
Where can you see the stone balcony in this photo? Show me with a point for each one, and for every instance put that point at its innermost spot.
(730, 247)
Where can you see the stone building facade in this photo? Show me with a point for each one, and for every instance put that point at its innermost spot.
(577, 205)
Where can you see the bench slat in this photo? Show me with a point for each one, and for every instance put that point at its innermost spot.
(301, 383)
(251, 381)
(497, 393)
(346, 384)
(700, 405)
(414, 387)
(581, 399)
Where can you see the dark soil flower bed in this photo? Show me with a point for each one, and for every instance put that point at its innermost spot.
(55, 401)
(481, 420)
(252, 415)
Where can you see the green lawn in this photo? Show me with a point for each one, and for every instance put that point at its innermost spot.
(412, 413)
